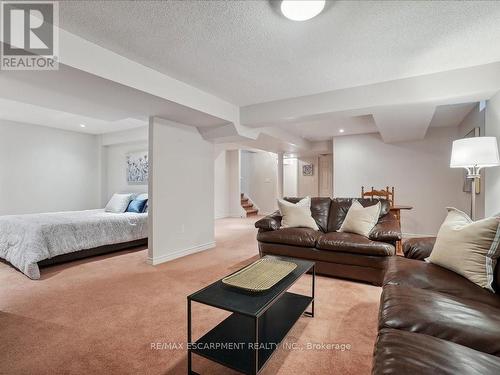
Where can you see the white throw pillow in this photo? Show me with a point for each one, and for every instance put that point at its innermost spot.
(297, 214)
(118, 203)
(469, 248)
(361, 220)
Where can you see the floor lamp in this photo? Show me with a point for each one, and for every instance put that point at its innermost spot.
(474, 154)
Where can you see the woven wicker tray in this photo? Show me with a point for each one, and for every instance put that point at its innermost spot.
(260, 275)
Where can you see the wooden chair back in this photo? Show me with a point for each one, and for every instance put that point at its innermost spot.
(379, 194)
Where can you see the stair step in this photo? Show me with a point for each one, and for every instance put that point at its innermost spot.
(248, 206)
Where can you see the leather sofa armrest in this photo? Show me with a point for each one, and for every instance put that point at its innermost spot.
(269, 222)
(387, 229)
(418, 248)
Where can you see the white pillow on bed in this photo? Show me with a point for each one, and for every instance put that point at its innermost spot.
(141, 196)
(118, 203)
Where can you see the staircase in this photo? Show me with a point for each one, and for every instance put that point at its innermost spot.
(248, 206)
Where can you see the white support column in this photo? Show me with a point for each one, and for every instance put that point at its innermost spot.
(234, 178)
(280, 174)
(151, 183)
(174, 199)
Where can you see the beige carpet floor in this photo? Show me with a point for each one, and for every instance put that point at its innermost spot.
(104, 315)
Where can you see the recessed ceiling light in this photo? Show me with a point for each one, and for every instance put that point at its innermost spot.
(341, 130)
(83, 126)
(301, 10)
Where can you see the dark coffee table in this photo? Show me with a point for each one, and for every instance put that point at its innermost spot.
(249, 336)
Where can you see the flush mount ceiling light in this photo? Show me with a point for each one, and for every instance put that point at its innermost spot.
(341, 130)
(83, 126)
(301, 10)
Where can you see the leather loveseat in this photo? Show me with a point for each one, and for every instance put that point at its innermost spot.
(434, 321)
(337, 254)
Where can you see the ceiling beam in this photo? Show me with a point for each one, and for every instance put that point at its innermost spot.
(404, 123)
(266, 138)
(89, 57)
(454, 86)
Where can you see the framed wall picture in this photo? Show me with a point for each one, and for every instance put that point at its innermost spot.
(137, 167)
(307, 169)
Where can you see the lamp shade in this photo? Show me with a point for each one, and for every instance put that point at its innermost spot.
(475, 152)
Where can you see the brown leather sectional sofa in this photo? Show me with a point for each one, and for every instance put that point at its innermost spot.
(431, 320)
(434, 321)
(336, 254)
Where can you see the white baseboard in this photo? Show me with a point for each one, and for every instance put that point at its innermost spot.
(180, 253)
(237, 216)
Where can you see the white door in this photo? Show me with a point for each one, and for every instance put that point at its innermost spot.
(325, 175)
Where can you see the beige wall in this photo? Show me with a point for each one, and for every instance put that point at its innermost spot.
(234, 176)
(290, 177)
(48, 169)
(259, 178)
(492, 186)
(227, 202)
(419, 171)
(221, 184)
(115, 171)
(308, 185)
(45, 169)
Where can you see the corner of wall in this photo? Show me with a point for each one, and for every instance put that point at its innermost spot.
(492, 175)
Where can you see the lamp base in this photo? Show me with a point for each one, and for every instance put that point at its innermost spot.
(474, 178)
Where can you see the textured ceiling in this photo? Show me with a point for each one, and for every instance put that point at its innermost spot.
(246, 52)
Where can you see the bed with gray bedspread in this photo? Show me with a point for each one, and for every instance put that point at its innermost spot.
(26, 240)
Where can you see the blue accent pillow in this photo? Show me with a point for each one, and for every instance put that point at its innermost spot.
(137, 205)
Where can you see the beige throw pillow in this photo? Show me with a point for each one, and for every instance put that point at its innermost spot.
(361, 220)
(468, 248)
(297, 214)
